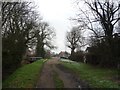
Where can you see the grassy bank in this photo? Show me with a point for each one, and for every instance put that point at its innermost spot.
(95, 76)
(24, 77)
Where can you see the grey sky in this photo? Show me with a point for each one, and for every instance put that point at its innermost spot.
(57, 14)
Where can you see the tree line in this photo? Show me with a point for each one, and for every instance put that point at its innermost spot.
(22, 28)
(101, 18)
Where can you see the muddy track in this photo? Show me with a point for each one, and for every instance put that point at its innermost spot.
(69, 79)
(78, 83)
(46, 78)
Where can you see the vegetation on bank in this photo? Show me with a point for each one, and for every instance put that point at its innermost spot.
(96, 77)
(25, 77)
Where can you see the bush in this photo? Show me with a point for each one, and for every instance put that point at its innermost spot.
(104, 54)
(93, 58)
(77, 56)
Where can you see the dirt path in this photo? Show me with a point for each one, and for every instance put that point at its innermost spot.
(69, 79)
(46, 77)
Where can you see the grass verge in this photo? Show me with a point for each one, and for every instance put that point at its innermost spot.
(24, 77)
(95, 76)
(57, 81)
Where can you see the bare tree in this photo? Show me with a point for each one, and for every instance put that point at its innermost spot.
(104, 13)
(73, 39)
(44, 37)
(18, 23)
(101, 18)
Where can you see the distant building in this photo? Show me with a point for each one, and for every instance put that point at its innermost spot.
(88, 49)
(64, 54)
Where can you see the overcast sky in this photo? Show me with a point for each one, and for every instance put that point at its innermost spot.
(57, 14)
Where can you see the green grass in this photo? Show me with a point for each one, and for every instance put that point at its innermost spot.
(24, 77)
(96, 77)
(57, 81)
